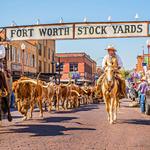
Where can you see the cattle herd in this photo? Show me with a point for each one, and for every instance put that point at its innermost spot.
(31, 93)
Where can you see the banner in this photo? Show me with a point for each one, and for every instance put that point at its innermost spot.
(78, 31)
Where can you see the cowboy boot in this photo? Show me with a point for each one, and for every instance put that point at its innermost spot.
(123, 89)
(9, 117)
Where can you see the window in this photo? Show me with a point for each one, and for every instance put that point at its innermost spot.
(7, 51)
(61, 67)
(88, 69)
(26, 59)
(18, 55)
(49, 53)
(49, 67)
(23, 57)
(33, 61)
(40, 66)
(53, 56)
(16, 58)
(44, 51)
(11, 55)
(31, 58)
(40, 49)
(73, 67)
(45, 67)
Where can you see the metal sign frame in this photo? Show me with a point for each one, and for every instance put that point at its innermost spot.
(74, 24)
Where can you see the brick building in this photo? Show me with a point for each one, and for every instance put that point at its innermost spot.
(75, 64)
(140, 60)
(37, 56)
(19, 60)
(45, 55)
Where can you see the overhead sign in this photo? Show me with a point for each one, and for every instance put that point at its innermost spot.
(78, 31)
(111, 30)
(40, 32)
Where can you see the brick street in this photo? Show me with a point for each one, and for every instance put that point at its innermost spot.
(85, 128)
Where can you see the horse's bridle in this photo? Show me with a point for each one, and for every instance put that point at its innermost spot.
(110, 87)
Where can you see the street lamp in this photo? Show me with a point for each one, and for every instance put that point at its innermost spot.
(143, 52)
(148, 47)
(58, 64)
(23, 46)
(109, 18)
(136, 17)
(38, 21)
(13, 23)
(61, 20)
(85, 19)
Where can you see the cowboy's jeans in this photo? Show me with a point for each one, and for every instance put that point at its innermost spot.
(142, 102)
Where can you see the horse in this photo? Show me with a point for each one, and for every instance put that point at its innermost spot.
(110, 93)
(4, 98)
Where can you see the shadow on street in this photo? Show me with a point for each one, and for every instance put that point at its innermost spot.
(44, 130)
(81, 108)
(58, 119)
(137, 122)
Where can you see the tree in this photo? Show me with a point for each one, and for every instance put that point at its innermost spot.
(125, 73)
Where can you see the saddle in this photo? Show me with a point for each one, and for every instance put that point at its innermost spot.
(120, 83)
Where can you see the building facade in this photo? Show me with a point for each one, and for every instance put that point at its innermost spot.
(141, 61)
(45, 55)
(32, 57)
(75, 65)
(20, 61)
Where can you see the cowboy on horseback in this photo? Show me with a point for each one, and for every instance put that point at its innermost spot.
(115, 61)
(4, 88)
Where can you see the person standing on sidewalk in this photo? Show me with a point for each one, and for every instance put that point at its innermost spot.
(143, 88)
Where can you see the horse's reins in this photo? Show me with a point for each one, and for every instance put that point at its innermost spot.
(110, 87)
(113, 83)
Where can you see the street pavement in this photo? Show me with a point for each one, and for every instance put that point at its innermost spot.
(85, 128)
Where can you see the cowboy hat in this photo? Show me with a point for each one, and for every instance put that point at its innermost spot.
(110, 47)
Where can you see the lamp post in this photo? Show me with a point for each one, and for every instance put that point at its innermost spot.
(136, 17)
(58, 64)
(23, 48)
(53, 62)
(148, 47)
(109, 18)
(143, 52)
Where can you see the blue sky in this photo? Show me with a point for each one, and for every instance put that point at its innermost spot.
(25, 12)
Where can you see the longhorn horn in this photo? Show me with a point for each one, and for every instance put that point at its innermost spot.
(75, 92)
